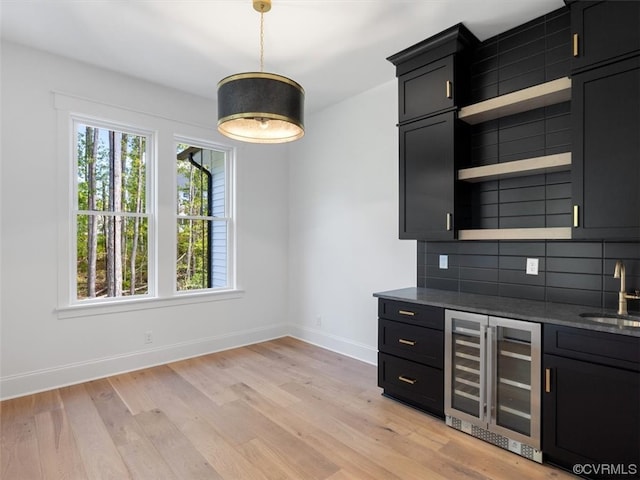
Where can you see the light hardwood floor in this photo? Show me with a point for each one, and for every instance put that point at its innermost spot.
(281, 409)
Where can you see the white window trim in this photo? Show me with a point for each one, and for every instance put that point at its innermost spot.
(164, 131)
(146, 303)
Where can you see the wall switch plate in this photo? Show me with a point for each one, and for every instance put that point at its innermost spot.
(444, 262)
(532, 266)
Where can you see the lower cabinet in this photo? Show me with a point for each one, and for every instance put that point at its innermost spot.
(591, 402)
(411, 354)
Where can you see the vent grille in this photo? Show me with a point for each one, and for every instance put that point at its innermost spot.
(496, 439)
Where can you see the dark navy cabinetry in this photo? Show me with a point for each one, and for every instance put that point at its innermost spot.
(606, 152)
(606, 119)
(582, 156)
(426, 90)
(432, 81)
(591, 400)
(411, 354)
(427, 165)
(603, 32)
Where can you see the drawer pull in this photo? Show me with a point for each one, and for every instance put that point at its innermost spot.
(576, 51)
(406, 312)
(449, 85)
(576, 217)
(411, 343)
(410, 381)
(547, 380)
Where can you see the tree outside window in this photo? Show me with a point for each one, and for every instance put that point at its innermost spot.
(112, 220)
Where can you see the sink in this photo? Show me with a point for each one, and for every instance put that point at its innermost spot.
(613, 319)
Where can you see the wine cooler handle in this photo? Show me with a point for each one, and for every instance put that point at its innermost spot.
(482, 407)
(490, 356)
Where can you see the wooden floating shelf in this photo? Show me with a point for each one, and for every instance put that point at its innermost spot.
(554, 233)
(530, 166)
(549, 93)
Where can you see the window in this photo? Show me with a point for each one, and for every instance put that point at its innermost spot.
(112, 234)
(203, 217)
(147, 217)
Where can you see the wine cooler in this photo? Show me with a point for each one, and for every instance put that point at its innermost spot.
(492, 380)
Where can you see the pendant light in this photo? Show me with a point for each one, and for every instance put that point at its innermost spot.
(260, 107)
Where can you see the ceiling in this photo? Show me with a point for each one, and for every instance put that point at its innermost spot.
(334, 48)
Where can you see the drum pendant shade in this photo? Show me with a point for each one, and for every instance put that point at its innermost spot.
(260, 107)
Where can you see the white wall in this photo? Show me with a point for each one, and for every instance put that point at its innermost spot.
(317, 232)
(39, 350)
(343, 223)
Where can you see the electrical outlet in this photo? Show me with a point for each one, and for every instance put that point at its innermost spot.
(444, 262)
(318, 321)
(148, 336)
(532, 266)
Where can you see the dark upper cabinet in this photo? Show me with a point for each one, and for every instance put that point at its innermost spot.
(433, 75)
(606, 151)
(426, 90)
(428, 191)
(604, 31)
(431, 84)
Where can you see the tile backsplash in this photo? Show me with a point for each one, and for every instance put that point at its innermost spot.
(568, 271)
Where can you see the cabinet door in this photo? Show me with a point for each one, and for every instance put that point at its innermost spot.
(427, 178)
(606, 151)
(605, 31)
(591, 414)
(426, 90)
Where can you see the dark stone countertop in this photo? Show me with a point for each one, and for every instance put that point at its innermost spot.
(519, 309)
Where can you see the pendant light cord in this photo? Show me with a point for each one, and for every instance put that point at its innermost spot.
(262, 41)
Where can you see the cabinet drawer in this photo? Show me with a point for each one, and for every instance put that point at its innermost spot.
(598, 347)
(413, 313)
(412, 342)
(412, 383)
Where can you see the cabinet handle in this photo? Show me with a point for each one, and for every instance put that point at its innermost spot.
(576, 217)
(449, 85)
(448, 222)
(410, 381)
(575, 44)
(411, 343)
(406, 312)
(547, 380)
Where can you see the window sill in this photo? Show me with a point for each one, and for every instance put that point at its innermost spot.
(131, 305)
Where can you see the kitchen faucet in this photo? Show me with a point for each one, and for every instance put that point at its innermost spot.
(623, 296)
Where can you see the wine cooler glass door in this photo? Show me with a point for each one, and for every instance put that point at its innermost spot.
(514, 371)
(465, 382)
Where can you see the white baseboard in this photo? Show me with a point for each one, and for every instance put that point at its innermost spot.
(49, 378)
(337, 344)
